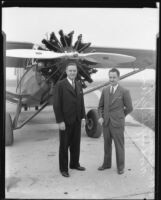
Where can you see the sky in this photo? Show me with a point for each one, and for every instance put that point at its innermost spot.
(106, 27)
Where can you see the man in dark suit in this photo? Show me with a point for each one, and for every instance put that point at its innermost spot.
(115, 103)
(70, 113)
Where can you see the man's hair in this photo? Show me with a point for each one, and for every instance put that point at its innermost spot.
(115, 70)
(70, 63)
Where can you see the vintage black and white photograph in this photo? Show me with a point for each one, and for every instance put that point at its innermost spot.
(80, 102)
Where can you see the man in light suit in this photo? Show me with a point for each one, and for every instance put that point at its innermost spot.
(70, 113)
(115, 103)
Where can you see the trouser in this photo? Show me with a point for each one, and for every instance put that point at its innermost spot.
(69, 138)
(117, 134)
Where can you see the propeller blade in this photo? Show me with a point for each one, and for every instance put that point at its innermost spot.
(107, 59)
(90, 60)
(101, 59)
(30, 53)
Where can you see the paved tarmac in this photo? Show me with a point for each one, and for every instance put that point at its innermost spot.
(32, 169)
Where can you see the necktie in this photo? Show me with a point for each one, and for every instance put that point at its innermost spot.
(73, 84)
(112, 90)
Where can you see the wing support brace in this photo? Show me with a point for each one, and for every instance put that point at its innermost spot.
(108, 82)
(29, 118)
(18, 111)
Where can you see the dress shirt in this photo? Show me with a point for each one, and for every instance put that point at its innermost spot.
(70, 81)
(114, 87)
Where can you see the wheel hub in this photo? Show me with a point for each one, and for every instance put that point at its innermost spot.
(90, 124)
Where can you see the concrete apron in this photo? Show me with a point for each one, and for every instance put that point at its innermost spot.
(32, 169)
(32, 165)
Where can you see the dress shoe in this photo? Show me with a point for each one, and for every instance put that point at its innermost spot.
(103, 168)
(80, 168)
(65, 174)
(120, 172)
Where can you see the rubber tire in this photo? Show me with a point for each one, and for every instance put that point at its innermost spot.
(93, 128)
(8, 131)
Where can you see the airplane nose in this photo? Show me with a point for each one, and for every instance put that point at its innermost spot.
(75, 55)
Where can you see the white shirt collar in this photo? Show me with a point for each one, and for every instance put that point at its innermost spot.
(70, 81)
(115, 87)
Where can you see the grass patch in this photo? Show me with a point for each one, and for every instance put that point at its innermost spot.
(145, 116)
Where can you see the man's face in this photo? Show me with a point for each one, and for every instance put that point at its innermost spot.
(71, 71)
(113, 78)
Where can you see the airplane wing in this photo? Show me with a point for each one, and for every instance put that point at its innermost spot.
(17, 62)
(19, 45)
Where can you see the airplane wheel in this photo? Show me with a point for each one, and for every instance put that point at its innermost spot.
(8, 131)
(93, 128)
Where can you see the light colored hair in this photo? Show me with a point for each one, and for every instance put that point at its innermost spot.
(71, 63)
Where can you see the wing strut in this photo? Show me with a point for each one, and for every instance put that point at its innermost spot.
(18, 111)
(29, 118)
(108, 82)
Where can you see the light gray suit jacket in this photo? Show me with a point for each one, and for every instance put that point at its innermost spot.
(120, 106)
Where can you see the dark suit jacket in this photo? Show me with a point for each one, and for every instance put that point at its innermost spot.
(121, 105)
(68, 104)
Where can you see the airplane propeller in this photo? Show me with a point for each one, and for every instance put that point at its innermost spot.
(54, 54)
(31, 53)
(96, 57)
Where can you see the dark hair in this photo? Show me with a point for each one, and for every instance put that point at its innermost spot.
(115, 70)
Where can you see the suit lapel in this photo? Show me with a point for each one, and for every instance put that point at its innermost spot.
(69, 87)
(107, 94)
(77, 88)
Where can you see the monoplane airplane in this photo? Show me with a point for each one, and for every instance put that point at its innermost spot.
(44, 65)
